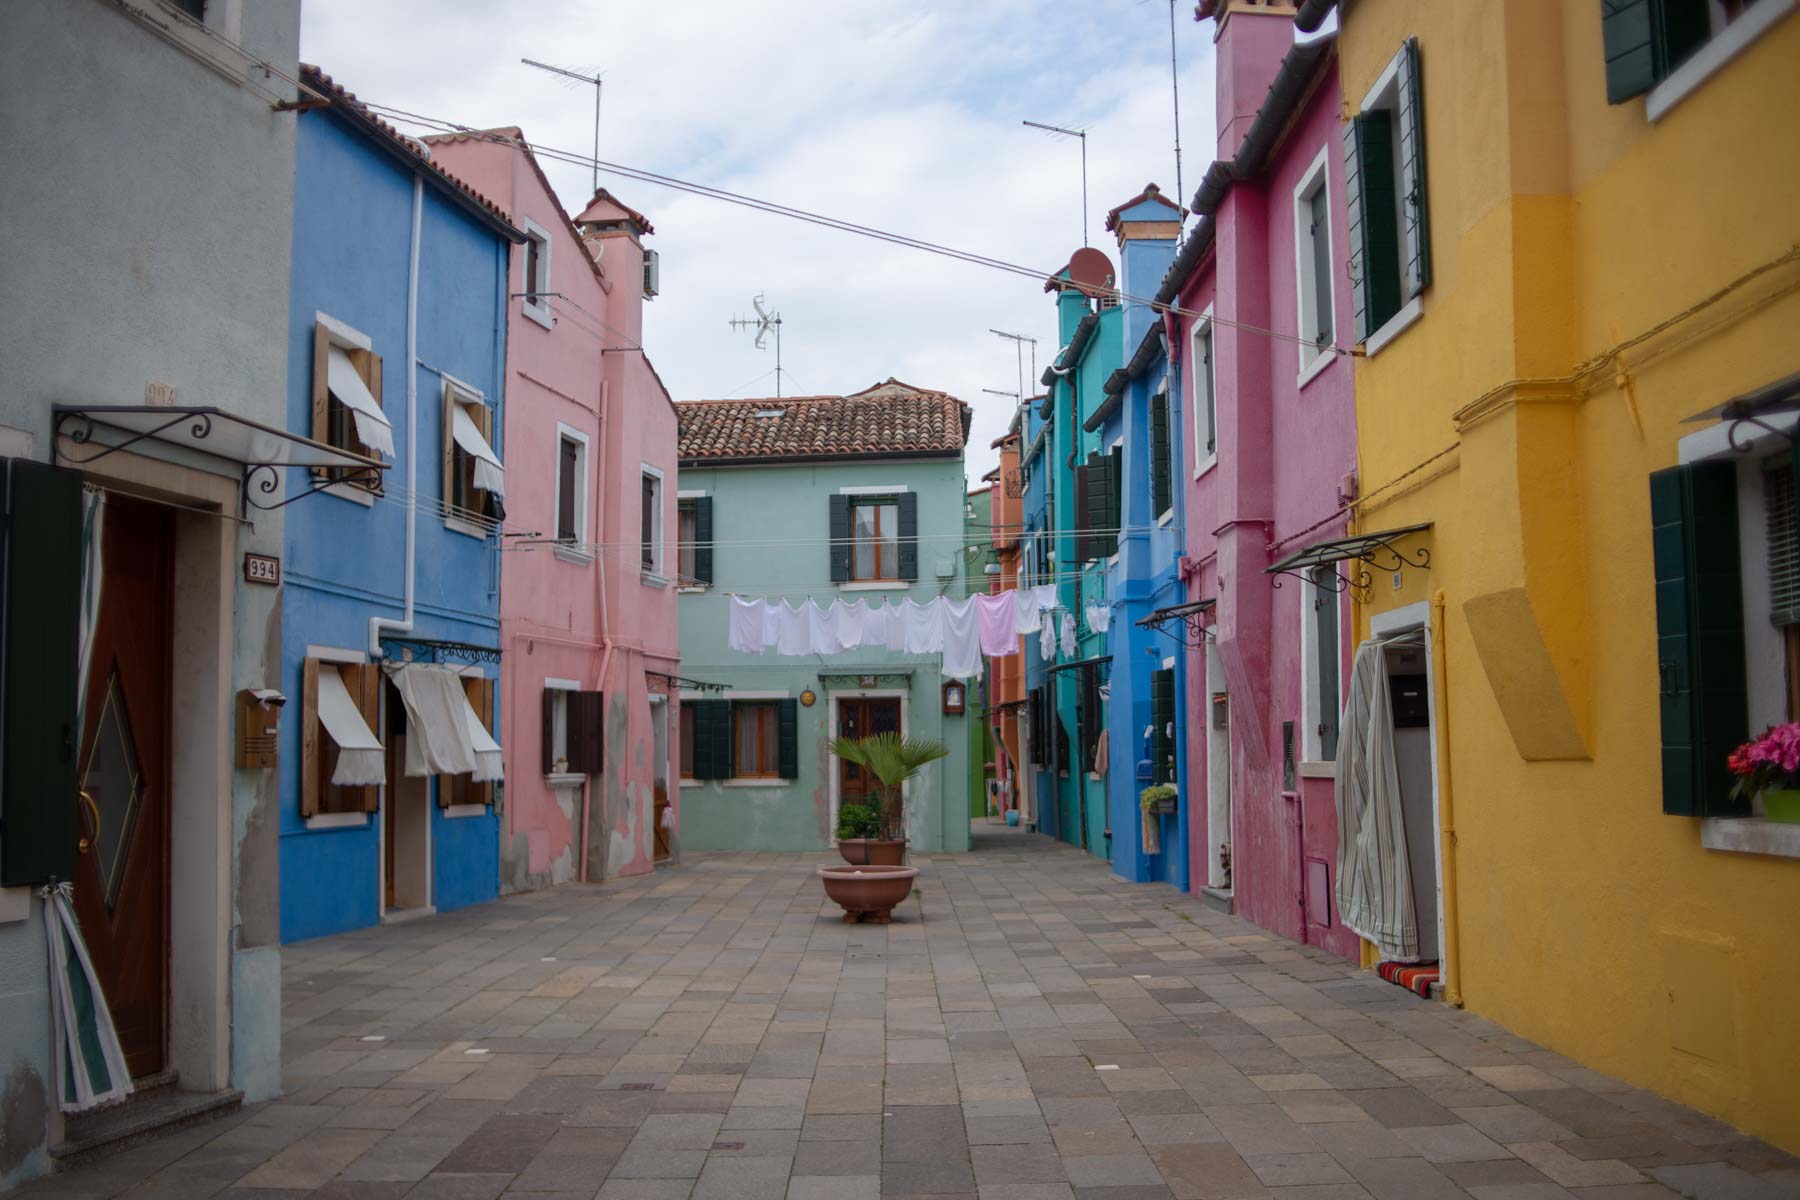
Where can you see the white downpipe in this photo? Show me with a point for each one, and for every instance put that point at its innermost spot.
(405, 624)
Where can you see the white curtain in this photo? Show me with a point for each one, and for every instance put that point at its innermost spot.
(1374, 879)
(437, 732)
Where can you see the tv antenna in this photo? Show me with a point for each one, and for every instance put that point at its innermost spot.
(592, 77)
(1074, 133)
(1018, 340)
(763, 322)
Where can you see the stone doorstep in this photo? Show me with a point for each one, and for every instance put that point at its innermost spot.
(156, 1106)
(1218, 899)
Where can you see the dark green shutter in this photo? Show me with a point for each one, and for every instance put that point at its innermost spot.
(1374, 230)
(1161, 495)
(1162, 721)
(1115, 504)
(1682, 27)
(1082, 537)
(548, 738)
(42, 564)
(908, 504)
(1325, 646)
(1699, 635)
(712, 739)
(1625, 27)
(1319, 221)
(1205, 367)
(703, 539)
(790, 738)
(840, 539)
(1415, 223)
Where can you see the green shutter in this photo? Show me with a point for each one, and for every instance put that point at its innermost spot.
(1162, 721)
(1319, 222)
(839, 532)
(1375, 230)
(790, 738)
(1160, 495)
(1325, 673)
(1625, 27)
(1415, 224)
(1115, 502)
(1082, 538)
(42, 562)
(703, 539)
(1682, 27)
(1700, 635)
(1208, 399)
(712, 739)
(908, 504)
(1358, 225)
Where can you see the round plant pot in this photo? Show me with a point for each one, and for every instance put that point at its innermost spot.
(1782, 804)
(868, 892)
(1162, 806)
(887, 852)
(854, 851)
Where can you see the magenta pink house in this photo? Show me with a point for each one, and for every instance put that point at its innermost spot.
(1262, 296)
(587, 577)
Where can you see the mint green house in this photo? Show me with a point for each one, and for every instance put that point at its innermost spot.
(823, 498)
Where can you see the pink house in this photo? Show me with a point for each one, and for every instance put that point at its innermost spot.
(588, 569)
(1263, 299)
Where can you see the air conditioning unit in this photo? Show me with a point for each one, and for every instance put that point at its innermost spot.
(652, 274)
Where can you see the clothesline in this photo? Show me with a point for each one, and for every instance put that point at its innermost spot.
(962, 631)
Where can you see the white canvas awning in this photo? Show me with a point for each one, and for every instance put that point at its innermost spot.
(360, 760)
(437, 734)
(346, 383)
(488, 765)
(489, 474)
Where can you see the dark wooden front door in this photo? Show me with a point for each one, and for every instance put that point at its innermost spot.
(122, 868)
(859, 717)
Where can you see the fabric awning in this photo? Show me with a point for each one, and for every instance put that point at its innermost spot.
(360, 760)
(347, 386)
(437, 735)
(490, 476)
(488, 765)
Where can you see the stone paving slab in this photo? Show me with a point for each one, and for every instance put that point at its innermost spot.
(1028, 1028)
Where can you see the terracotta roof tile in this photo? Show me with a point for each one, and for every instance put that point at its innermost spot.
(891, 418)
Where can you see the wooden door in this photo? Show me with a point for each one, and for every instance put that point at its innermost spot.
(859, 717)
(658, 808)
(122, 864)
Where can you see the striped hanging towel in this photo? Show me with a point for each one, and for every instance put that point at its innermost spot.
(90, 1066)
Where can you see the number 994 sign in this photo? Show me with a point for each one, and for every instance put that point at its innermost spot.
(262, 568)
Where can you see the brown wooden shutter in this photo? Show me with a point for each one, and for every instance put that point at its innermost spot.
(548, 740)
(366, 689)
(586, 741)
(321, 392)
(310, 733)
(481, 696)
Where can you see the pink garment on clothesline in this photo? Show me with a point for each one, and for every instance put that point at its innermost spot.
(997, 614)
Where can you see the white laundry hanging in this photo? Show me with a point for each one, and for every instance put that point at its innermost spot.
(1099, 616)
(1047, 636)
(795, 629)
(747, 622)
(1067, 633)
(821, 634)
(849, 622)
(962, 637)
(924, 625)
(996, 613)
(1028, 612)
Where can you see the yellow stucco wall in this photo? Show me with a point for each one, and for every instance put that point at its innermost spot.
(1562, 226)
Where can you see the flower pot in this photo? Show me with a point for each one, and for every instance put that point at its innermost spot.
(1163, 806)
(868, 891)
(854, 851)
(1782, 804)
(877, 852)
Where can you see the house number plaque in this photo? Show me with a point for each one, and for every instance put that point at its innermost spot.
(262, 568)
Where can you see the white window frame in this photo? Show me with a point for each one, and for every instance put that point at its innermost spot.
(1204, 459)
(575, 554)
(1168, 398)
(1316, 179)
(657, 574)
(536, 299)
(1384, 93)
(873, 585)
(458, 392)
(1313, 764)
(559, 738)
(680, 495)
(1729, 40)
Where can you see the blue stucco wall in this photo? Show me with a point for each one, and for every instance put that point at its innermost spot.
(345, 561)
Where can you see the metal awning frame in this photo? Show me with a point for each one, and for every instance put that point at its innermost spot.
(1376, 550)
(1191, 617)
(431, 650)
(1097, 660)
(261, 473)
(682, 683)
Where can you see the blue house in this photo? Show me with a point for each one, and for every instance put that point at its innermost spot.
(1141, 415)
(389, 762)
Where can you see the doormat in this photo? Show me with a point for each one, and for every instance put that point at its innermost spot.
(1414, 977)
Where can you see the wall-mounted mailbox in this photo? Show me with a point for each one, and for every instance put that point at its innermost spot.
(258, 724)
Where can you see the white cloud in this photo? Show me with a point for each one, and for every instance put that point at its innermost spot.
(902, 117)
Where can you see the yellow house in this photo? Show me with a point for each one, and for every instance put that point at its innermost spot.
(1575, 229)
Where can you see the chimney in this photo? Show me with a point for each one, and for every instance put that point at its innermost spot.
(1251, 38)
(1147, 227)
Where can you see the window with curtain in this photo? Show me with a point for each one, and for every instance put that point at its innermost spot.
(756, 740)
(875, 534)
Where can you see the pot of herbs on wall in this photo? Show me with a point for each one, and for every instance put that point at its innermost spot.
(1768, 766)
(878, 831)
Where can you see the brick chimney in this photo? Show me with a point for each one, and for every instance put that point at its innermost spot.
(1250, 38)
(1147, 227)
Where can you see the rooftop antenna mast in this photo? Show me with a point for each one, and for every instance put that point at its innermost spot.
(593, 78)
(1175, 87)
(1018, 340)
(763, 322)
(1074, 133)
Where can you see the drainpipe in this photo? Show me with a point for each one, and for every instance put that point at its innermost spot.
(606, 638)
(405, 624)
(1446, 812)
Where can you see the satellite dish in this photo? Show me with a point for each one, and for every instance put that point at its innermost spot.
(1092, 271)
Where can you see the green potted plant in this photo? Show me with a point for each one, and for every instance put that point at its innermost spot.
(1158, 798)
(1769, 766)
(856, 824)
(890, 761)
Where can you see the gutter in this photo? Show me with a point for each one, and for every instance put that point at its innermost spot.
(405, 624)
(1072, 355)
(1312, 14)
(1452, 948)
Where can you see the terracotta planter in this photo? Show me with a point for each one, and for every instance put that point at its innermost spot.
(873, 852)
(868, 891)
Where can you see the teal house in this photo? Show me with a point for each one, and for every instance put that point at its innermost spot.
(820, 498)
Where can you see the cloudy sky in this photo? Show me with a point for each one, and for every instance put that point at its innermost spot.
(901, 116)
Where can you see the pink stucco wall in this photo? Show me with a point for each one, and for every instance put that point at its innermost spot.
(565, 615)
(1284, 450)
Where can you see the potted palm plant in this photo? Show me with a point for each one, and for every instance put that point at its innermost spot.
(890, 761)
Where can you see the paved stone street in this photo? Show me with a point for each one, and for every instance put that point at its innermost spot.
(1029, 1028)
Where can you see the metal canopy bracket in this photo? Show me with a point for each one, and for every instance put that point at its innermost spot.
(1378, 550)
(1186, 623)
(683, 683)
(427, 650)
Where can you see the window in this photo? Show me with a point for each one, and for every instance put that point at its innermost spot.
(756, 741)
(1162, 462)
(693, 541)
(687, 742)
(1384, 180)
(536, 289)
(346, 402)
(572, 494)
(1162, 726)
(193, 8)
(1312, 264)
(573, 729)
(342, 762)
(1091, 716)
(464, 790)
(1206, 417)
(1321, 623)
(474, 480)
(874, 537)
(1669, 47)
(650, 523)
(1098, 492)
